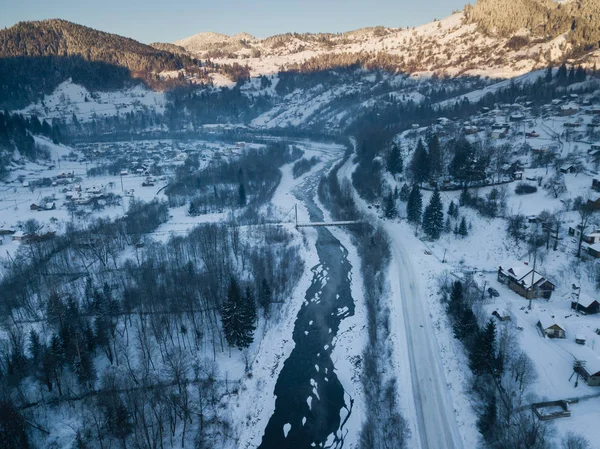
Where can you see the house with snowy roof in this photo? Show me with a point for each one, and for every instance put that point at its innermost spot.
(587, 364)
(526, 282)
(585, 303)
(550, 327)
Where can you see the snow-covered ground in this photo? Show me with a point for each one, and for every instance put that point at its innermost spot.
(70, 99)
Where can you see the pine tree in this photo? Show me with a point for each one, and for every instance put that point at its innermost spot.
(571, 77)
(462, 228)
(435, 156)
(242, 194)
(266, 296)
(238, 316)
(248, 320)
(390, 207)
(487, 420)
(404, 192)
(395, 162)
(414, 206)
(483, 356)
(561, 74)
(433, 218)
(549, 77)
(447, 226)
(453, 209)
(193, 209)
(580, 74)
(420, 163)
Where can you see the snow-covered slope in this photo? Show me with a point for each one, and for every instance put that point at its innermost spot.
(70, 99)
(447, 46)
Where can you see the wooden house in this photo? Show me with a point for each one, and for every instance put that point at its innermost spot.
(550, 326)
(526, 282)
(587, 364)
(585, 304)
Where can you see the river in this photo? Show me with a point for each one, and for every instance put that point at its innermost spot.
(311, 406)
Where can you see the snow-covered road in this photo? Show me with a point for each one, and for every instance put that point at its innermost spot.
(436, 426)
(436, 422)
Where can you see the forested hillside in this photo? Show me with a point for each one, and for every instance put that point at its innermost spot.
(62, 38)
(37, 56)
(541, 18)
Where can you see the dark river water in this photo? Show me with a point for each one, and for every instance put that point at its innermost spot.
(310, 401)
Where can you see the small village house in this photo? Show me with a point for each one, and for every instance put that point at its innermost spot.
(526, 282)
(568, 168)
(550, 326)
(585, 303)
(587, 364)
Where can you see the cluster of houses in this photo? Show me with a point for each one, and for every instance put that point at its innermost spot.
(528, 283)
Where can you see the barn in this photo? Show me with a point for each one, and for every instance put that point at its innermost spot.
(585, 304)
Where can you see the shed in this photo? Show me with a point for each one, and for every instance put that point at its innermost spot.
(568, 168)
(550, 326)
(587, 364)
(585, 304)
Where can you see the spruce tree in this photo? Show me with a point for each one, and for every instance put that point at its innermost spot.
(483, 355)
(571, 77)
(266, 296)
(447, 226)
(561, 74)
(404, 192)
(390, 207)
(462, 228)
(420, 164)
(487, 420)
(433, 218)
(549, 74)
(451, 208)
(238, 315)
(248, 320)
(395, 162)
(435, 156)
(414, 206)
(242, 194)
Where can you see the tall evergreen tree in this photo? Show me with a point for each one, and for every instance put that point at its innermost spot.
(242, 194)
(414, 206)
(483, 355)
(549, 76)
(435, 156)
(580, 74)
(238, 316)
(390, 207)
(395, 161)
(420, 163)
(404, 192)
(433, 218)
(487, 420)
(266, 296)
(561, 74)
(462, 228)
(571, 77)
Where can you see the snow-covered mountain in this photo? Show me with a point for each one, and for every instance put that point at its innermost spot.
(451, 46)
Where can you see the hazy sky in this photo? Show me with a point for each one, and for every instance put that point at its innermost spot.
(166, 21)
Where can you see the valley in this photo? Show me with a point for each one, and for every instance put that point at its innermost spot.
(383, 238)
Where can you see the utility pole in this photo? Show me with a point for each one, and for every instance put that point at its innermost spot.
(296, 210)
(444, 258)
(534, 262)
